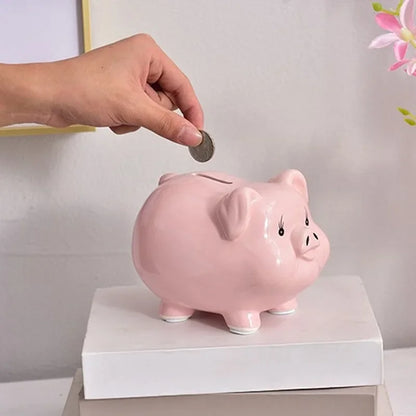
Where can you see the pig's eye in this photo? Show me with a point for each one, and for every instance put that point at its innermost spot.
(281, 225)
(307, 221)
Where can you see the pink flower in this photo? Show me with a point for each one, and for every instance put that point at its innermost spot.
(410, 66)
(402, 31)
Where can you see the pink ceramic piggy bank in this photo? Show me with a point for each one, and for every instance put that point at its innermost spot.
(217, 243)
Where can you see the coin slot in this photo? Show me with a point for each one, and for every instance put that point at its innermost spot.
(214, 178)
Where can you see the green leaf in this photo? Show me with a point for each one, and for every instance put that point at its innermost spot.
(410, 121)
(404, 111)
(377, 7)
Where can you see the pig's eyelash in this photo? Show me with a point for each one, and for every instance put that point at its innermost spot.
(306, 218)
(281, 223)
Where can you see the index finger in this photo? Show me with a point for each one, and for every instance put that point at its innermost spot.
(177, 86)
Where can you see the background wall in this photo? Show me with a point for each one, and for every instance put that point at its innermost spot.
(283, 84)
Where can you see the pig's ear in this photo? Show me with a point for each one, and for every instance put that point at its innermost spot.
(166, 177)
(234, 212)
(295, 179)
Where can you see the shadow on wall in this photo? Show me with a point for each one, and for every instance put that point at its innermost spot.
(51, 264)
(390, 260)
(36, 158)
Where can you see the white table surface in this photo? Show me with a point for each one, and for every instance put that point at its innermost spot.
(333, 341)
(47, 397)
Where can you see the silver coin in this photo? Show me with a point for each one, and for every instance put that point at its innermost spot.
(205, 150)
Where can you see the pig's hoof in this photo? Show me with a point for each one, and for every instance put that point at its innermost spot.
(285, 308)
(243, 322)
(174, 313)
(175, 319)
(281, 312)
(243, 331)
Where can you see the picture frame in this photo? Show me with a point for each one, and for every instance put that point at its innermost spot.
(43, 31)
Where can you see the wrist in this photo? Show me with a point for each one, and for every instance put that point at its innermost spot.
(26, 93)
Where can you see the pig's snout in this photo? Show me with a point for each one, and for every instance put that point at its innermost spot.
(305, 241)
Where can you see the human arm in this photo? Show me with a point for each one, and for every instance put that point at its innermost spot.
(126, 85)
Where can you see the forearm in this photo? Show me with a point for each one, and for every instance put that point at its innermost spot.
(26, 93)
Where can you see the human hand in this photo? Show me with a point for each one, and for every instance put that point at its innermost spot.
(126, 85)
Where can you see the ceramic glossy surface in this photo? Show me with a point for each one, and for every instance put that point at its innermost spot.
(217, 243)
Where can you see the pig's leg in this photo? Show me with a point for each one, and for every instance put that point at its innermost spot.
(243, 322)
(171, 312)
(285, 308)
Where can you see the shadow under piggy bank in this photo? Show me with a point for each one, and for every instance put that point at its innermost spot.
(130, 314)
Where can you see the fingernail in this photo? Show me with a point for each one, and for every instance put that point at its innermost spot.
(189, 136)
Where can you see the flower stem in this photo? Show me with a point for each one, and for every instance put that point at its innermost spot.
(399, 7)
(395, 12)
(392, 12)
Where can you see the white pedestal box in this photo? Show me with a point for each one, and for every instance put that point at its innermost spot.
(346, 401)
(332, 340)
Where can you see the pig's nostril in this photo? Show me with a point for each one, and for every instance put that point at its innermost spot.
(307, 240)
(315, 236)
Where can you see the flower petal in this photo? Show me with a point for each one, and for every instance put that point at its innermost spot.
(406, 14)
(400, 48)
(412, 68)
(388, 22)
(383, 40)
(398, 65)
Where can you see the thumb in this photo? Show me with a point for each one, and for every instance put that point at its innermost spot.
(167, 124)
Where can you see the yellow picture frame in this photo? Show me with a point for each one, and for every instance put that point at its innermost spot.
(23, 130)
